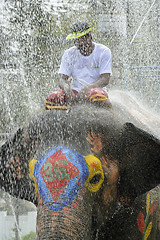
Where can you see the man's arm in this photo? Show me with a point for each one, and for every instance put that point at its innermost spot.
(64, 85)
(101, 82)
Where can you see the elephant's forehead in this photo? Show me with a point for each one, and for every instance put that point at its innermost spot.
(59, 176)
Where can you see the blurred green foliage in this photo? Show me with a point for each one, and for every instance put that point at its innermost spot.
(30, 236)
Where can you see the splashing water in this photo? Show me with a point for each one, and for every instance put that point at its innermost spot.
(15, 217)
(33, 40)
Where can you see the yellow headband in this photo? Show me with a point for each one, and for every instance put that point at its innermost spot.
(78, 34)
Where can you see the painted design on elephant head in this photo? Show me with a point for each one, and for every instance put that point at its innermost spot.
(152, 205)
(59, 176)
(31, 172)
(61, 173)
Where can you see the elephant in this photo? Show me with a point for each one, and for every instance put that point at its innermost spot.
(89, 171)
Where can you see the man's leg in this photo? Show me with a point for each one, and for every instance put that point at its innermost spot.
(99, 97)
(57, 100)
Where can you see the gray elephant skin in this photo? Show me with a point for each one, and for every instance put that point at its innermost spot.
(130, 160)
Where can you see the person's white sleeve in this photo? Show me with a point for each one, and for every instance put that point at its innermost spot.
(106, 62)
(65, 65)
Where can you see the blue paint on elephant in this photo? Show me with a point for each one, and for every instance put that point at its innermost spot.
(59, 175)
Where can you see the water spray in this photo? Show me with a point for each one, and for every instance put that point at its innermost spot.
(15, 218)
(142, 22)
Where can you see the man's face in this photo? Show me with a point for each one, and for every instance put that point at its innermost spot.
(84, 44)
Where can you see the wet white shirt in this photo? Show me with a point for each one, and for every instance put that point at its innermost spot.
(86, 69)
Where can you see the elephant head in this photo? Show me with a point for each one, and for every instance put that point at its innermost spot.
(85, 197)
(67, 184)
(73, 198)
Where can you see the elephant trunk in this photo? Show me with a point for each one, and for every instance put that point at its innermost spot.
(66, 183)
(70, 223)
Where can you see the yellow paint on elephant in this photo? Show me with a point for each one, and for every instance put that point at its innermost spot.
(148, 203)
(95, 168)
(148, 230)
(31, 172)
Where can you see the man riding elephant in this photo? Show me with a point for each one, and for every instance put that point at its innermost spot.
(89, 64)
(82, 168)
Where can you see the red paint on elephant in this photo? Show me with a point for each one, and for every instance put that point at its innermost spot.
(94, 165)
(45, 208)
(66, 210)
(75, 204)
(153, 207)
(57, 172)
(140, 221)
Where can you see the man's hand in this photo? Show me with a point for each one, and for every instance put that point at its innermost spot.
(83, 94)
(70, 97)
(101, 82)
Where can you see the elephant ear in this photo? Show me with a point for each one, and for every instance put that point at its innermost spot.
(139, 154)
(14, 174)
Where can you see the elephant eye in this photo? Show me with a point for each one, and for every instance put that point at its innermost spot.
(96, 178)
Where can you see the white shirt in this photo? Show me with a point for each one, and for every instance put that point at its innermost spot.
(86, 69)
